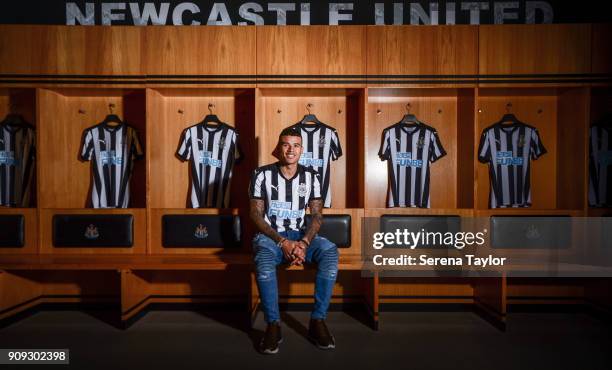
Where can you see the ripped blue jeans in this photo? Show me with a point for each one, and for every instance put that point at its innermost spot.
(268, 255)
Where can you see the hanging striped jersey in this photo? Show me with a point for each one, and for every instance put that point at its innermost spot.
(600, 172)
(508, 150)
(286, 199)
(17, 152)
(112, 151)
(409, 149)
(320, 143)
(211, 152)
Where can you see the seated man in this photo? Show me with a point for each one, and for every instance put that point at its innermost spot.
(280, 193)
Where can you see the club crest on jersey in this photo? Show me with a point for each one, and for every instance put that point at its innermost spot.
(322, 142)
(92, 232)
(521, 141)
(421, 142)
(221, 143)
(201, 232)
(302, 190)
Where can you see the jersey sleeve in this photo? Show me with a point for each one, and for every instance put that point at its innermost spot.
(385, 149)
(137, 151)
(315, 186)
(88, 146)
(484, 148)
(336, 148)
(257, 188)
(537, 148)
(184, 149)
(436, 150)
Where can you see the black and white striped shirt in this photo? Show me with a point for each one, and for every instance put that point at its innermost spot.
(285, 199)
(508, 150)
(112, 151)
(320, 143)
(600, 172)
(211, 152)
(17, 152)
(409, 149)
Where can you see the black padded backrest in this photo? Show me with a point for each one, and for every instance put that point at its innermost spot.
(93, 231)
(335, 228)
(531, 232)
(200, 231)
(12, 231)
(414, 223)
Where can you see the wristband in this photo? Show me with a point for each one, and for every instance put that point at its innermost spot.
(305, 242)
(279, 244)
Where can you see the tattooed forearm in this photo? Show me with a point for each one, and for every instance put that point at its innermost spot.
(316, 211)
(257, 216)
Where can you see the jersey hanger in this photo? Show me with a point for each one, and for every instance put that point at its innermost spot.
(409, 118)
(509, 119)
(112, 119)
(309, 117)
(14, 120)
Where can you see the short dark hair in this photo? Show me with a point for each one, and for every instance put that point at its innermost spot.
(290, 131)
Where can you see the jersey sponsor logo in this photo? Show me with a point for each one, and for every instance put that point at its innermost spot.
(505, 158)
(206, 158)
(605, 158)
(283, 210)
(201, 232)
(307, 160)
(92, 232)
(110, 158)
(405, 159)
(302, 190)
(8, 158)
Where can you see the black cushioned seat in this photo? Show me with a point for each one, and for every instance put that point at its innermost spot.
(200, 231)
(414, 223)
(93, 231)
(335, 228)
(12, 231)
(531, 232)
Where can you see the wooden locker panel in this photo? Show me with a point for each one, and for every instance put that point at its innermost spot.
(171, 50)
(169, 112)
(23, 50)
(601, 51)
(422, 50)
(436, 108)
(70, 50)
(65, 180)
(534, 49)
(280, 108)
(312, 50)
(536, 107)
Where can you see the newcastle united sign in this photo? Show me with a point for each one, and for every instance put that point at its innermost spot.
(211, 13)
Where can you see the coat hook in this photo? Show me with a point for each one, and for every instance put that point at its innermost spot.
(378, 111)
(180, 111)
(479, 110)
(110, 107)
(278, 111)
(408, 107)
(81, 111)
(308, 107)
(508, 107)
(439, 111)
(540, 111)
(210, 107)
(339, 111)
